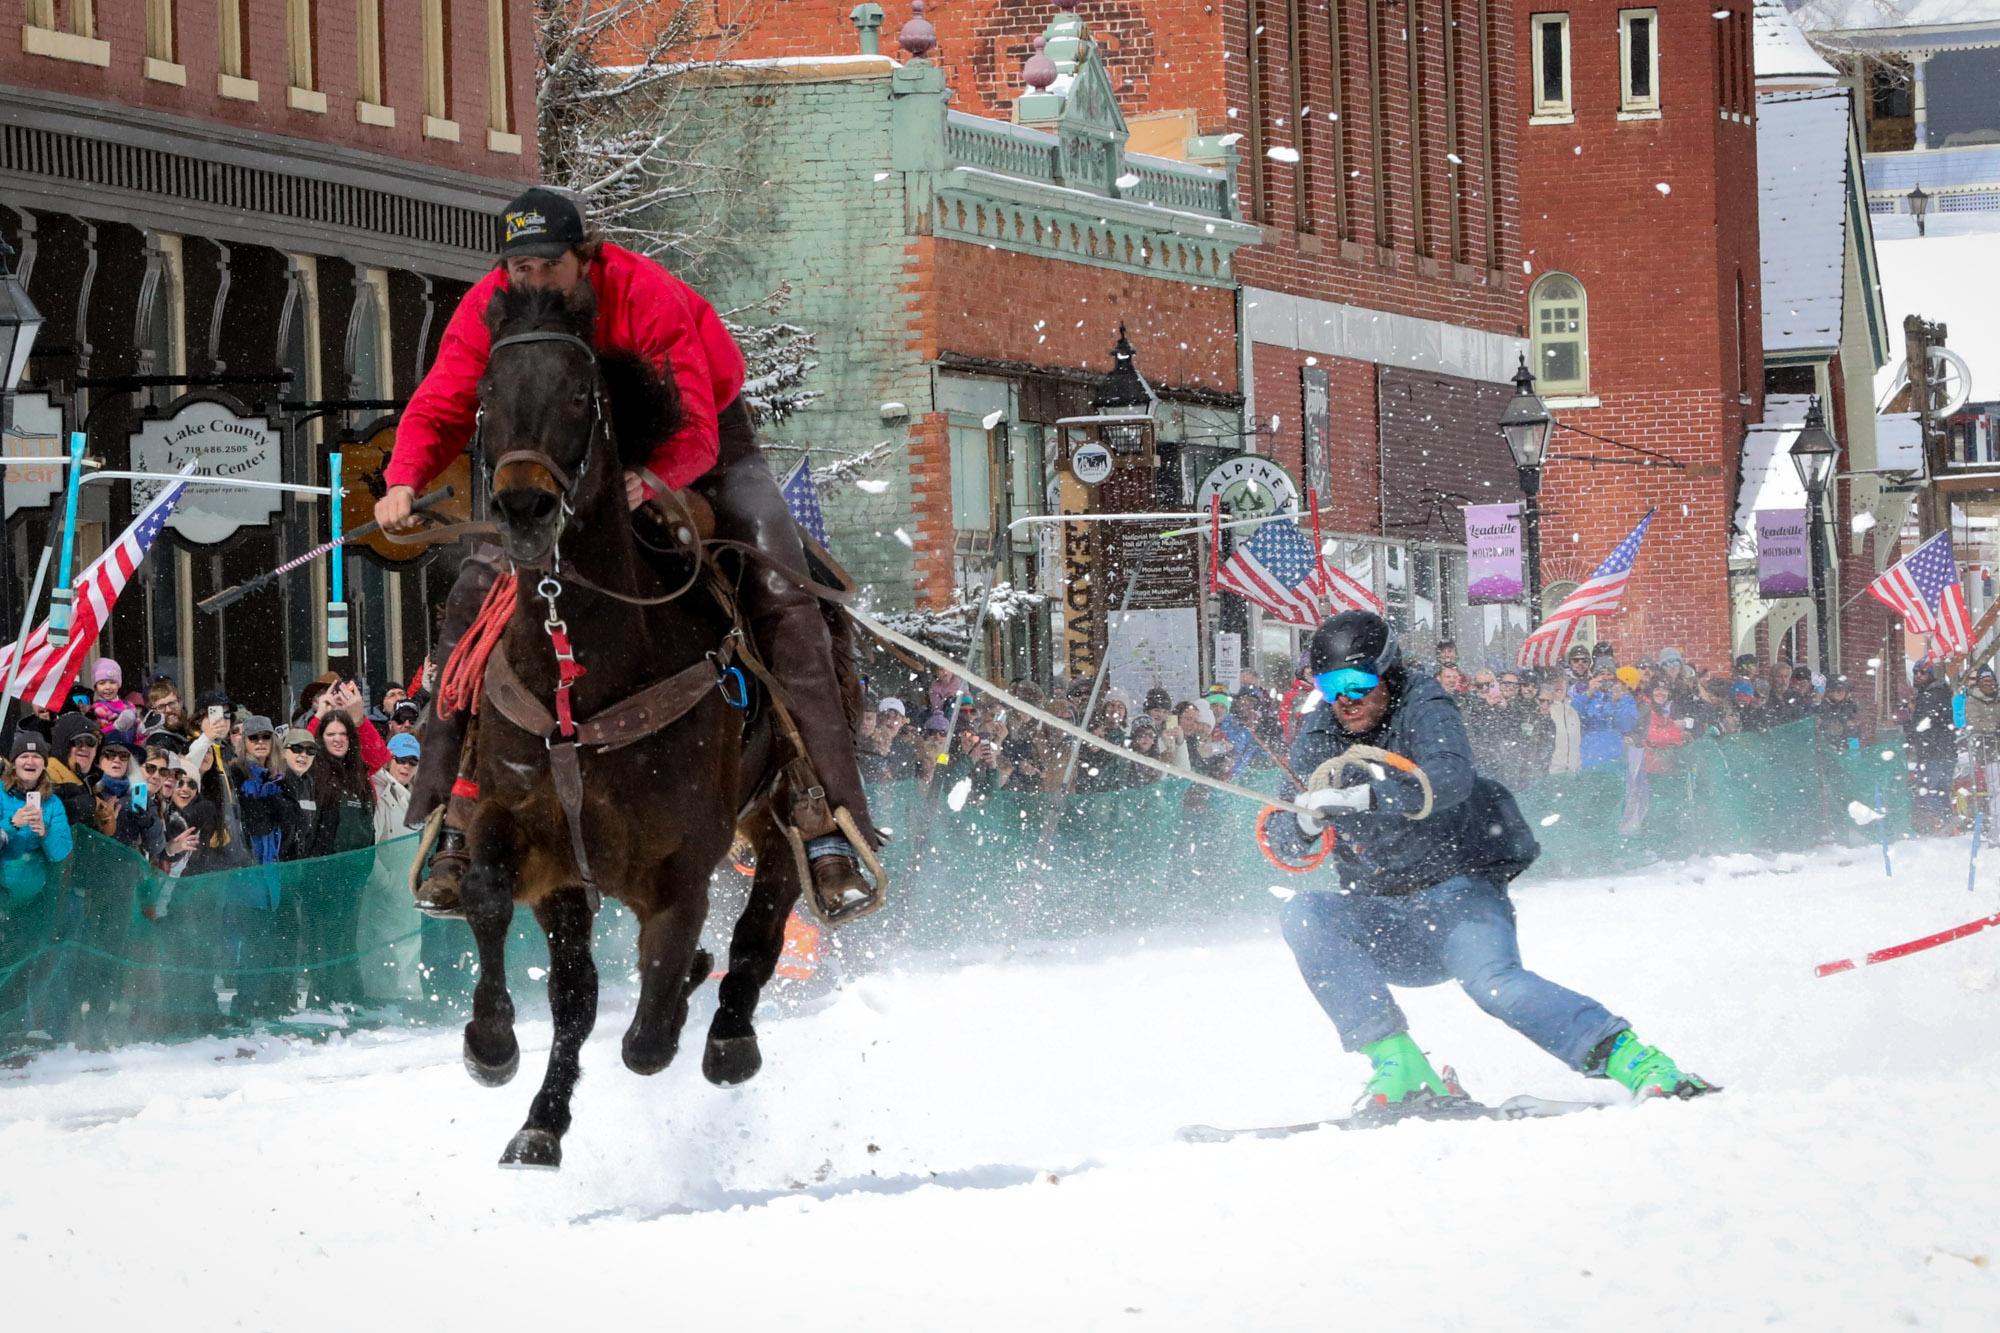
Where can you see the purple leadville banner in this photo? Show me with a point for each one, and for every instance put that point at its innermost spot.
(1782, 568)
(1493, 554)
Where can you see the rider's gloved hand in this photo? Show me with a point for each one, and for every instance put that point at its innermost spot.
(1330, 801)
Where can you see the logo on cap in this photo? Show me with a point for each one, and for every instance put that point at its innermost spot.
(530, 223)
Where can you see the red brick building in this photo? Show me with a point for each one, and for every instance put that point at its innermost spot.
(276, 202)
(1639, 236)
(1374, 143)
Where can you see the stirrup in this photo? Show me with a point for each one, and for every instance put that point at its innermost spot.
(840, 914)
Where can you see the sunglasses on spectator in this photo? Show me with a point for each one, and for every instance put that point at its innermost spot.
(399, 759)
(301, 749)
(155, 769)
(188, 784)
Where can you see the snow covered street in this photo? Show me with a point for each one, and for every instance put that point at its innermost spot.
(991, 1145)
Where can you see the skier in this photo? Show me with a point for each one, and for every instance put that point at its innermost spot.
(1422, 900)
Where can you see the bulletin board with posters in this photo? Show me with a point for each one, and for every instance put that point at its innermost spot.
(1160, 648)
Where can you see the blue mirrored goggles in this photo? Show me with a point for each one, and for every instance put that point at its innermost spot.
(1346, 683)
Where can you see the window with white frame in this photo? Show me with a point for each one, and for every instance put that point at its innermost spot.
(231, 38)
(75, 18)
(437, 62)
(1639, 61)
(1549, 38)
(1559, 316)
(299, 41)
(160, 44)
(368, 49)
(499, 116)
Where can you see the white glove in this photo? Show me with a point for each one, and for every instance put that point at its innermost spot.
(1328, 800)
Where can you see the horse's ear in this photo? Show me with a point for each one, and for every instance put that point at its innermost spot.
(645, 408)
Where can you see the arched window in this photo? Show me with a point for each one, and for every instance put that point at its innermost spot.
(1559, 318)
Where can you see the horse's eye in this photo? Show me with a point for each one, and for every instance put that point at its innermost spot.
(580, 395)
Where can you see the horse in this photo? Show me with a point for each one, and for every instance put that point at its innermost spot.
(644, 811)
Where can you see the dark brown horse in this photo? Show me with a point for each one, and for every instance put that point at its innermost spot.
(657, 814)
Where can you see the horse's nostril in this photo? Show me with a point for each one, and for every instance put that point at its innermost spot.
(526, 506)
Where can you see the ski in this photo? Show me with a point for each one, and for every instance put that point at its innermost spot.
(1524, 1107)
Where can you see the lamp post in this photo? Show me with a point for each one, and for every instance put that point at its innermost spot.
(1919, 204)
(1814, 454)
(1527, 425)
(20, 322)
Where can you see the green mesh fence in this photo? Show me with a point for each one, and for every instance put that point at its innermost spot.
(111, 951)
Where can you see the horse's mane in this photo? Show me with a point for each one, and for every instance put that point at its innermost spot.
(645, 408)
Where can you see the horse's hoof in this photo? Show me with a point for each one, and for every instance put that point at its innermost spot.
(644, 1061)
(488, 1073)
(728, 1061)
(533, 1150)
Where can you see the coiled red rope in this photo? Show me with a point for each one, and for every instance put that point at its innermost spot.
(464, 676)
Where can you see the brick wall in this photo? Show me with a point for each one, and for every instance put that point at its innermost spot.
(122, 24)
(1354, 500)
(1015, 307)
(1445, 260)
(1161, 54)
(1663, 347)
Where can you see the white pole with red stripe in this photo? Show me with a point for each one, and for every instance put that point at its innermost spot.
(21, 639)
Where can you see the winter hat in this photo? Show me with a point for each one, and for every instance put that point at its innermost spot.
(257, 725)
(1629, 677)
(106, 669)
(1216, 695)
(1671, 657)
(936, 722)
(892, 705)
(28, 742)
(1158, 698)
(404, 746)
(69, 729)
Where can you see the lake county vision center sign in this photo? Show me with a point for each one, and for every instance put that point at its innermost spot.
(221, 441)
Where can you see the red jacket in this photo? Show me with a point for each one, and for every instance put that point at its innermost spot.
(642, 309)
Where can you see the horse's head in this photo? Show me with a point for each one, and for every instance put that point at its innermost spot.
(559, 422)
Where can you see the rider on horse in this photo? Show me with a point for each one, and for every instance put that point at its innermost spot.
(643, 310)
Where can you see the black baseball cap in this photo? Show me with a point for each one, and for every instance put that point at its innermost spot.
(541, 224)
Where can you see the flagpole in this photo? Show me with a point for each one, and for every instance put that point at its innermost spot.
(60, 602)
(21, 639)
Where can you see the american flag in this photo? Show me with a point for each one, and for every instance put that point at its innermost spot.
(1923, 589)
(1279, 569)
(46, 670)
(801, 494)
(1598, 595)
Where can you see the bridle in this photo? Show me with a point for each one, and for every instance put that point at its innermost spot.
(539, 458)
(599, 427)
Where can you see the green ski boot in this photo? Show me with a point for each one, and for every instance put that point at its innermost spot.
(1403, 1077)
(1645, 1070)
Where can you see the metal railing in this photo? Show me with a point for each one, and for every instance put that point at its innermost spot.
(1015, 150)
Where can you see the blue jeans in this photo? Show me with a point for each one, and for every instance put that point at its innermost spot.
(1351, 948)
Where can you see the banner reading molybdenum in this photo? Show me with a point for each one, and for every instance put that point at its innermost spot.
(1493, 552)
(1782, 570)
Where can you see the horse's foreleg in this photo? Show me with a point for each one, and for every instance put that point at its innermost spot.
(491, 1052)
(755, 946)
(566, 919)
(669, 970)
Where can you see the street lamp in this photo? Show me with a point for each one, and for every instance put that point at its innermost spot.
(1814, 454)
(20, 322)
(1527, 425)
(1919, 204)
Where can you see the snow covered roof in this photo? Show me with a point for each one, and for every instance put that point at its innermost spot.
(1863, 15)
(1948, 276)
(1934, 168)
(1802, 215)
(1770, 481)
(1782, 49)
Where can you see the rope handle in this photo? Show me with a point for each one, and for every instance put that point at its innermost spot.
(1271, 855)
(1357, 755)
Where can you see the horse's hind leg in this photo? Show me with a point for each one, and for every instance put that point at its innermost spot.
(566, 919)
(732, 1054)
(492, 1055)
(670, 967)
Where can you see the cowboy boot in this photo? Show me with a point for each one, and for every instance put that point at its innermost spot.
(445, 775)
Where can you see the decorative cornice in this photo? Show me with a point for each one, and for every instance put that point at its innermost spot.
(1051, 222)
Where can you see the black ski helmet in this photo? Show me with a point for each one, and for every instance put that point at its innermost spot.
(1358, 639)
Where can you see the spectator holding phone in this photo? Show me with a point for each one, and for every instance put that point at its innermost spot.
(343, 698)
(32, 820)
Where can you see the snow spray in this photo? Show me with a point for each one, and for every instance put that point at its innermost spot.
(1888, 871)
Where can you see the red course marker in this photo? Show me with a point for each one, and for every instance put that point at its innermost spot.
(1895, 951)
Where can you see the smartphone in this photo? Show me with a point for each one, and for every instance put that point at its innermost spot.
(139, 790)
(35, 801)
(215, 712)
